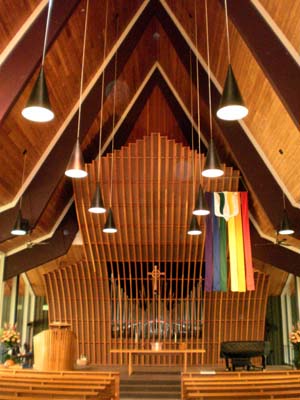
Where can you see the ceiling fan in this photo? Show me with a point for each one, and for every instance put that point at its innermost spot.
(277, 242)
(30, 244)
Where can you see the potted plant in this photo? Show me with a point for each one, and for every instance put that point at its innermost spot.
(295, 340)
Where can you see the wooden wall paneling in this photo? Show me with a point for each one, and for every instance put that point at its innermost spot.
(187, 239)
(49, 298)
(266, 290)
(99, 309)
(169, 233)
(51, 295)
(112, 238)
(84, 220)
(75, 305)
(221, 324)
(148, 237)
(140, 198)
(215, 324)
(243, 314)
(114, 299)
(56, 295)
(119, 306)
(54, 303)
(62, 288)
(132, 207)
(128, 230)
(247, 314)
(91, 275)
(86, 318)
(139, 174)
(103, 285)
(81, 332)
(69, 302)
(177, 238)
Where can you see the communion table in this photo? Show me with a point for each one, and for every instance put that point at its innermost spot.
(130, 352)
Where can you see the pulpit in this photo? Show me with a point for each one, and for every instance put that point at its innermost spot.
(54, 349)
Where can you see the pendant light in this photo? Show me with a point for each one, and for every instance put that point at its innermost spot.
(75, 168)
(212, 167)
(110, 226)
(38, 108)
(201, 207)
(194, 228)
(21, 226)
(232, 106)
(285, 225)
(97, 205)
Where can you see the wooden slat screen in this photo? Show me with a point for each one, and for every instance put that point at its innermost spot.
(108, 297)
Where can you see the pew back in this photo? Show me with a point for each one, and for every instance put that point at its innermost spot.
(241, 385)
(75, 385)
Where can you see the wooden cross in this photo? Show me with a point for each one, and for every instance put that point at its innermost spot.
(155, 274)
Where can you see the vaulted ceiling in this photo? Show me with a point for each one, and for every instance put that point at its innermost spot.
(157, 53)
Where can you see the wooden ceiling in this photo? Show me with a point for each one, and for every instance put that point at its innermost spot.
(155, 45)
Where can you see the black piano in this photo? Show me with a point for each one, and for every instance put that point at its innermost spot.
(241, 352)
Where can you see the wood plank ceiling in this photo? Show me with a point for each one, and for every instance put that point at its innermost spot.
(154, 43)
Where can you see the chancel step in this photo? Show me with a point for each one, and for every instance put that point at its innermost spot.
(150, 386)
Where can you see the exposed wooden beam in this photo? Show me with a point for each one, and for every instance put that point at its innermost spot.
(57, 246)
(21, 62)
(243, 150)
(52, 170)
(157, 76)
(274, 254)
(279, 66)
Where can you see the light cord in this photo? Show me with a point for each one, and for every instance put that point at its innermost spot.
(114, 118)
(192, 117)
(47, 31)
(82, 68)
(102, 93)
(208, 66)
(283, 198)
(227, 31)
(198, 96)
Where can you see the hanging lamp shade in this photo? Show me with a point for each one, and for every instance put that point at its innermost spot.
(75, 168)
(212, 167)
(110, 226)
(201, 207)
(21, 226)
(38, 108)
(285, 225)
(97, 206)
(194, 228)
(232, 106)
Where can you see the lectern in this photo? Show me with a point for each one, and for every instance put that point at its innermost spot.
(54, 349)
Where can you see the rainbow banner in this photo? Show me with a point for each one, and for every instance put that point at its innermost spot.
(227, 227)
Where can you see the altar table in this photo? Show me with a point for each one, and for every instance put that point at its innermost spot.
(130, 352)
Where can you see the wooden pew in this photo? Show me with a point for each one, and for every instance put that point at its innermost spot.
(59, 384)
(241, 385)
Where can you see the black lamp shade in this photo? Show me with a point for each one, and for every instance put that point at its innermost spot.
(75, 168)
(21, 226)
(232, 106)
(110, 226)
(194, 228)
(38, 108)
(212, 167)
(97, 206)
(201, 207)
(285, 225)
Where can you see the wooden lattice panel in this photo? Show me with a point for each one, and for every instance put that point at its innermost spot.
(110, 299)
